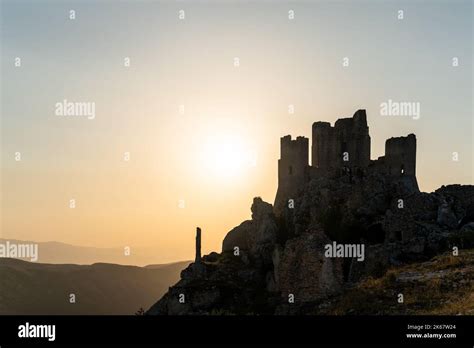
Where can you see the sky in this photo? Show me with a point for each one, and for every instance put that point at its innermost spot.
(200, 109)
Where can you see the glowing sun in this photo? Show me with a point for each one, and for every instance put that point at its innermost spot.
(227, 156)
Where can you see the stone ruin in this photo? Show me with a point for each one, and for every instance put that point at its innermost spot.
(342, 150)
(343, 197)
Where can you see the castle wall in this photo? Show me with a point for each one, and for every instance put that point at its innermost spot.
(323, 148)
(351, 136)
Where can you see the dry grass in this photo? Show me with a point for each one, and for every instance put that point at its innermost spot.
(443, 285)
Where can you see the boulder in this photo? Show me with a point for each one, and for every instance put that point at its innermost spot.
(257, 236)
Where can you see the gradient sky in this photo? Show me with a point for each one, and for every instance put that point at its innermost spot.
(241, 110)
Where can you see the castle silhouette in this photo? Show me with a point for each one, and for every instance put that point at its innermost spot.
(340, 151)
(343, 198)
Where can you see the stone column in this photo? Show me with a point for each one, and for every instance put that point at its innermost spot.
(198, 245)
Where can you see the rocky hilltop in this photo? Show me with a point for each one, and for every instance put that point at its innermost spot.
(298, 256)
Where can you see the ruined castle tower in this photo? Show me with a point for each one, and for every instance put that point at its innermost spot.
(292, 169)
(347, 144)
(400, 155)
(399, 158)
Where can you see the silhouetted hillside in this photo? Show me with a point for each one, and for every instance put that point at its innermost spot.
(101, 288)
(344, 222)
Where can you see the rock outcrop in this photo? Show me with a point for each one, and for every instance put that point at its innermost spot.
(257, 236)
(261, 264)
(276, 262)
(305, 272)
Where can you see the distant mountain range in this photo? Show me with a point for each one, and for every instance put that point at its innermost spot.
(101, 288)
(56, 252)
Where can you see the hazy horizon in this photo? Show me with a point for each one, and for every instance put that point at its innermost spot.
(203, 104)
